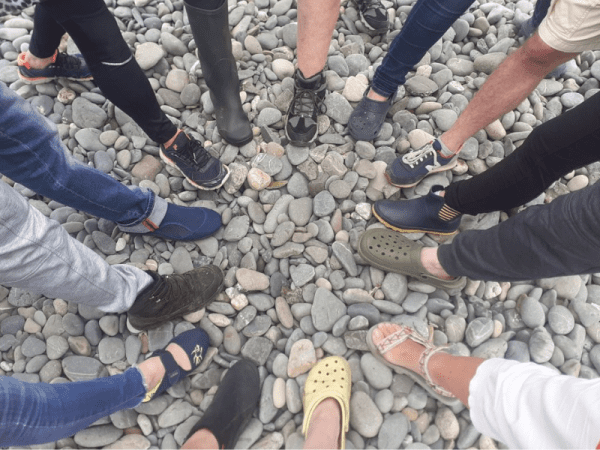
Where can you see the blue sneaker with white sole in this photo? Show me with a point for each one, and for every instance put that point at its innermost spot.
(406, 171)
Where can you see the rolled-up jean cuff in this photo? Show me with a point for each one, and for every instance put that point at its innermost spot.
(158, 210)
(383, 86)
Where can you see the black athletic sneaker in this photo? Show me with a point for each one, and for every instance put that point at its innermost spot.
(173, 296)
(373, 15)
(198, 166)
(72, 67)
(301, 119)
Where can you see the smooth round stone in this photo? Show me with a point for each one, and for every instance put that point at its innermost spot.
(541, 346)
(447, 423)
(377, 374)
(532, 313)
(365, 418)
(231, 340)
(561, 320)
(251, 280)
(279, 393)
(384, 400)
(393, 431)
(478, 331)
(323, 204)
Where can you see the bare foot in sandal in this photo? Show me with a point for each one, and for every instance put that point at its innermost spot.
(451, 373)
(406, 354)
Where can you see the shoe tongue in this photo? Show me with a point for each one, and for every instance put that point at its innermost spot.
(180, 141)
(436, 145)
(308, 83)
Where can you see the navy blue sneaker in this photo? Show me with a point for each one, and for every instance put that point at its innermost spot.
(428, 214)
(411, 168)
(72, 67)
(183, 223)
(198, 166)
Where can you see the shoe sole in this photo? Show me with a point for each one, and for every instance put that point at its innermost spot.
(136, 330)
(410, 230)
(448, 166)
(42, 80)
(192, 182)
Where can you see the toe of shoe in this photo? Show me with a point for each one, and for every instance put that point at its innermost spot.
(188, 224)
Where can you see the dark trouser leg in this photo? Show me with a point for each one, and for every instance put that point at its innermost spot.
(46, 34)
(553, 149)
(557, 239)
(115, 71)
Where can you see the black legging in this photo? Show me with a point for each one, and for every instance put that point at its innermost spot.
(553, 149)
(115, 71)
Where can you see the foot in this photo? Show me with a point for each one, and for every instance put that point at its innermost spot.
(373, 15)
(60, 65)
(411, 168)
(172, 296)
(199, 167)
(232, 407)
(367, 118)
(407, 354)
(428, 214)
(325, 427)
(154, 370)
(301, 119)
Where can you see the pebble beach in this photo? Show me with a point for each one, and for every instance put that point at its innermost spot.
(296, 289)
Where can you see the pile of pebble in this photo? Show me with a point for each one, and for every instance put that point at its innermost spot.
(296, 289)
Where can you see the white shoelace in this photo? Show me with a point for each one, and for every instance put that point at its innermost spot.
(413, 158)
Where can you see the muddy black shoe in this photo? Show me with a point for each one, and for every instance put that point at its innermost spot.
(72, 67)
(172, 296)
(301, 119)
(198, 166)
(233, 404)
(373, 15)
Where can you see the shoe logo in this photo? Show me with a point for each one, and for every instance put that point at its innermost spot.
(197, 353)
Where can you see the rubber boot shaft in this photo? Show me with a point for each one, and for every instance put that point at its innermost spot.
(213, 39)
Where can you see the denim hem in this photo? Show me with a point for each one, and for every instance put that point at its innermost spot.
(383, 86)
(158, 211)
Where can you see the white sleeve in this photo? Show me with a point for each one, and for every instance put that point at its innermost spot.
(525, 405)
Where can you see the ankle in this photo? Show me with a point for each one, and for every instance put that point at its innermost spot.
(38, 63)
(372, 95)
(170, 141)
(431, 263)
(202, 439)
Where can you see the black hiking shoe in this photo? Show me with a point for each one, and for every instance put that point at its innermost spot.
(301, 119)
(198, 166)
(172, 296)
(72, 67)
(373, 15)
(233, 404)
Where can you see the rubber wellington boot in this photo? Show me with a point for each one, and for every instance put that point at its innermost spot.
(213, 39)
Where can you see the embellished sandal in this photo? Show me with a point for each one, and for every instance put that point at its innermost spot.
(390, 251)
(367, 118)
(233, 404)
(425, 381)
(329, 378)
(194, 343)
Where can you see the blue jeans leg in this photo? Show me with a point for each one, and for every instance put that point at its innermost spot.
(425, 25)
(36, 413)
(32, 154)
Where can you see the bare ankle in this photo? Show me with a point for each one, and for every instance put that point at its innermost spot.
(375, 96)
(37, 63)
(431, 263)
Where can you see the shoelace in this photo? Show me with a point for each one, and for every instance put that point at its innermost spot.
(196, 153)
(306, 101)
(413, 158)
(67, 61)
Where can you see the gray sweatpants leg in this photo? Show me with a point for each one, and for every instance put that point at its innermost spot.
(37, 254)
(557, 239)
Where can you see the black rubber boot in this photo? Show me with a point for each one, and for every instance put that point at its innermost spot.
(211, 33)
(233, 404)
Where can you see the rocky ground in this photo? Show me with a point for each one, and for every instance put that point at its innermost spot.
(296, 290)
